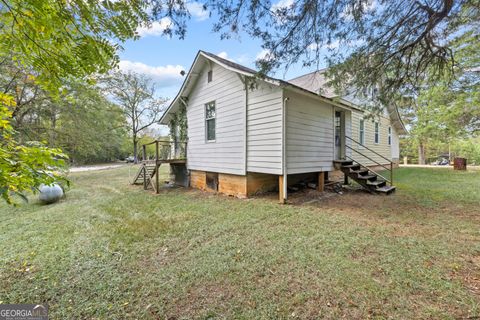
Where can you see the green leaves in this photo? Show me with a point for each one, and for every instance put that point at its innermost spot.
(24, 167)
(53, 42)
(63, 39)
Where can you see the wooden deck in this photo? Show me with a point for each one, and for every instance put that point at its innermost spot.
(148, 173)
(178, 161)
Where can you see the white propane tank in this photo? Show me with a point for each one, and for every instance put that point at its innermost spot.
(50, 194)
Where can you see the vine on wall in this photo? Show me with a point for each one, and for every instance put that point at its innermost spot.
(178, 125)
(178, 131)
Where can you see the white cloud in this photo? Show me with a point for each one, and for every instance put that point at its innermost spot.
(223, 55)
(282, 4)
(164, 76)
(157, 28)
(197, 11)
(280, 10)
(265, 54)
(332, 45)
(312, 47)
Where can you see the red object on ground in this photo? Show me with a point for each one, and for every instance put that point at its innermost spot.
(460, 164)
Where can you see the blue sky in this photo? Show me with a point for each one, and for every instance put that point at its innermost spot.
(163, 58)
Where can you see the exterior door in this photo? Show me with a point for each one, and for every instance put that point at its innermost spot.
(339, 135)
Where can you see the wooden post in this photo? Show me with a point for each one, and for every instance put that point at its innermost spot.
(345, 179)
(281, 195)
(391, 173)
(144, 176)
(321, 181)
(145, 172)
(157, 183)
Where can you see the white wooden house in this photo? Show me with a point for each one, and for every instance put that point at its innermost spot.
(247, 135)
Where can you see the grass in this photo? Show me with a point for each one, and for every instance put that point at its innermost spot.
(113, 251)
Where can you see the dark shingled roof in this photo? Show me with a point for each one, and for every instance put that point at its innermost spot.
(297, 83)
(229, 63)
(281, 82)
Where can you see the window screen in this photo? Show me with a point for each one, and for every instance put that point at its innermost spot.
(377, 138)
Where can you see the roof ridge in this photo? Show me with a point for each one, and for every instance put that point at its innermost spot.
(306, 74)
(228, 62)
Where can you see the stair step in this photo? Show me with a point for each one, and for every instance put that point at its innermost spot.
(377, 183)
(367, 177)
(386, 189)
(360, 172)
(343, 162)
(351, 166)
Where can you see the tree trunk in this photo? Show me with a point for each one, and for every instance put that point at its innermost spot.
(135, 153)
(53, 133)
(421, 153)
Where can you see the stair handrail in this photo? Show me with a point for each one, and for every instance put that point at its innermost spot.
(376, 162)
(378, 154)
(369, 169)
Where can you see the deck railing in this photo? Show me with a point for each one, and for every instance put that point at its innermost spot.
(388, 167)
(166, 150)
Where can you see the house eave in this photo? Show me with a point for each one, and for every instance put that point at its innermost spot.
(336, 101)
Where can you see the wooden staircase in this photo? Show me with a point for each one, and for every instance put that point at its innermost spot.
(368, 179)
(147, 171)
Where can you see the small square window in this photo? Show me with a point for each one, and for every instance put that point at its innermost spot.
(209, 76)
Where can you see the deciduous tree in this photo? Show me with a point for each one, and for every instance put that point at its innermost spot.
(56, 40)
(135, 94)
(390, 46)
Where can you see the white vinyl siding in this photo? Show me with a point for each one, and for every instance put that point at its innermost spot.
(348, 132)
(369, 128)
(395, 148)
(309, 134)
(264, 129)
(227, 154)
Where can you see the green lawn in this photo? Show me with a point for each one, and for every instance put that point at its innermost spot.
(111, 250)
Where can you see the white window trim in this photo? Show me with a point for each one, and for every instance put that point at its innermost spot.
(206, 122)
(376, 132)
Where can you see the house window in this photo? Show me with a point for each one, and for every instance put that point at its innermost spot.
(210, 116)
(389, 136)
(362, 132)
(209, 76)
(377, 138)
